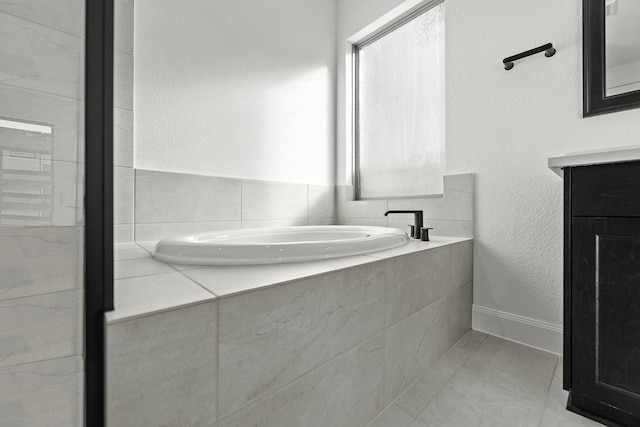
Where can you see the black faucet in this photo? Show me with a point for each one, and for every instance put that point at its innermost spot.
(416, 228)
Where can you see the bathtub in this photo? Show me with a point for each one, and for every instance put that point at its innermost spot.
(277, 245)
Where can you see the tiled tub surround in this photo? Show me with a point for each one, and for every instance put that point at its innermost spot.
(449, 215)
(169, 203)
(158, 204)
(321, 343)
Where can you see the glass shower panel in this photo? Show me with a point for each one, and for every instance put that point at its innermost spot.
(123, 116)
(401, 110)
(26, 196)
(41, 212)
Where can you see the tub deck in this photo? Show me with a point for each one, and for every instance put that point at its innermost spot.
(145, 286)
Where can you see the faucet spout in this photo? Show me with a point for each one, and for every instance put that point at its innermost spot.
(417, 224)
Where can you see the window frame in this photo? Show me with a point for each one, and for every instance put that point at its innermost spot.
(400, 19)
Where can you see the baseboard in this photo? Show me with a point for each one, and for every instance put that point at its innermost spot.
(531, 332)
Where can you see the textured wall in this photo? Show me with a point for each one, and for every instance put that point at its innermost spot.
(502, 126)
(513, 121)
(237, 88)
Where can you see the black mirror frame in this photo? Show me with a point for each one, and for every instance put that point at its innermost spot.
(595, 101)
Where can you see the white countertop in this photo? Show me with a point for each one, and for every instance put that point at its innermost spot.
(609, 155)
(145, 286)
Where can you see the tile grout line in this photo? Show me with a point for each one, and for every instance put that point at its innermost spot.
(544, 405)
(136, 316)
(75, 290)
(218, 221)
(143, 275)
(135, 181)
(4, 228)
(44, 25)
(430, 304)
(171, 266)
(71, 356)
(193, 281)
(217, 340)
(72, 162)
(546, 400)
(502, 386)
(307, 188)
(384, 345)
(175, 270)
(425, 374)
(555, 368)
(71, 98)
(452, 375)
(255, 400)
(241, 203)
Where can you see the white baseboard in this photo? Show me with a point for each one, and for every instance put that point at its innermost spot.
(534, 333)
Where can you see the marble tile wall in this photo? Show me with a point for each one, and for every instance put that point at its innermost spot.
(314, 319)
(173, 203)
(169, 203)
(332, 349)
(287, 347)
(161, 369)
(49, 392)
(353, 387)
(416, 342)
(345, 392)
(41, 212)
(302, 339)
(450, 215)
(123, 116)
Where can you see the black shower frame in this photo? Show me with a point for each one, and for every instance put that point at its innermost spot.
(98, 275)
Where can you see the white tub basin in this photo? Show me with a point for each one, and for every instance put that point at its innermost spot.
(277, 245)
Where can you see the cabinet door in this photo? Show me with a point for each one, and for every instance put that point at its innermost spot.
(606, 311)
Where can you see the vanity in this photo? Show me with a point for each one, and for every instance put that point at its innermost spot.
(602, 283)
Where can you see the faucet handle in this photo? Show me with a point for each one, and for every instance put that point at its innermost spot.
(413, 230)
(424, 233)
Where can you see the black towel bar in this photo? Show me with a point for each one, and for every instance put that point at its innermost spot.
(548, 50)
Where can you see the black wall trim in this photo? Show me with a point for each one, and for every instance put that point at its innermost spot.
(98, 200)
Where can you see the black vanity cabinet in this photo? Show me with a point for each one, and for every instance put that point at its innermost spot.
(602, 292)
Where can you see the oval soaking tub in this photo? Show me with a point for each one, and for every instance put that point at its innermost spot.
(277, 245)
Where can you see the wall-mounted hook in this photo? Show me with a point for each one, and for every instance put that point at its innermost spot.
(548, 50)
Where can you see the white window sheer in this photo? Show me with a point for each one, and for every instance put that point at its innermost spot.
(400, 110)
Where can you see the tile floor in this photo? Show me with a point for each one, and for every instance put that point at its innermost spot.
(486, 381)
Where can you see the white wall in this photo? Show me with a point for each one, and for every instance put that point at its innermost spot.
(502, 126)
(238, 88)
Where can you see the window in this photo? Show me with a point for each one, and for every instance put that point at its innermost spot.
(399, 108)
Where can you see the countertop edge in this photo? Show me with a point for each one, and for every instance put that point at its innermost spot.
(614, 155)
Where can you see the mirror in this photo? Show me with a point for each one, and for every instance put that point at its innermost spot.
(611, 54)
(622, 46)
